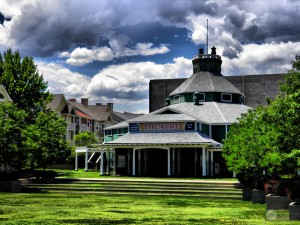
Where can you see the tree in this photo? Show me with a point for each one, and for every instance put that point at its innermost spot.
(45, 140)
(268, 138)
(26, 87)
(12, 152)
(85, 138)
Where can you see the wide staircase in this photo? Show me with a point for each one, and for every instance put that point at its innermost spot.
(145, 187)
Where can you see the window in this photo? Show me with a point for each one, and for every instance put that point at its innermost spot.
(108, 132)
(88, 123)
(97, 127)
(201, 97)
(120, 131)
(226, 97)
(176, 98)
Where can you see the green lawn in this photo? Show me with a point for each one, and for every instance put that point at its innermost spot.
(56, 208)
(95, 174)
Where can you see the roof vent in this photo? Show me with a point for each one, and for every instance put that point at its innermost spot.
(168, 102)
(196, 98)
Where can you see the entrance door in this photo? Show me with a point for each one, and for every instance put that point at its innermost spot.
(156, 162)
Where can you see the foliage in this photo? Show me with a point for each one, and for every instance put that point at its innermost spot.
(85, 138)
(29, 134)
(268, 138)
(12, 152)
(46, 140)
(26, 87)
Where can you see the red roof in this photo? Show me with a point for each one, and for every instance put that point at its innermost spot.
(81, 114)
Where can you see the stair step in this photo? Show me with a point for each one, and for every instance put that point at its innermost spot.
(203, 189)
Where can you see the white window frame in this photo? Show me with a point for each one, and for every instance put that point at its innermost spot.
(200, 100)
(226, 100)
(109, 131)
(121, 132)
(177, 99)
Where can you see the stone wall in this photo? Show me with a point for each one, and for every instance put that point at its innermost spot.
(256, 88)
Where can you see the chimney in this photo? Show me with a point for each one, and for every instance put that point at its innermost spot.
(72, 99)
(85, 101)
(213, 50)
(98, 104)
(201, 51)
(110, 106)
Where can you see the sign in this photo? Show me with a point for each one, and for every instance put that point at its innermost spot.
(152, 127)
(134, 127)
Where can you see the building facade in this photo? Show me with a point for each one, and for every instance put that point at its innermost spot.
(184, 137)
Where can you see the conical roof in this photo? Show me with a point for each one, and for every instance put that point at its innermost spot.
(205, 82)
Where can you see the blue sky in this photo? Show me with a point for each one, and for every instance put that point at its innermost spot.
(108, 50)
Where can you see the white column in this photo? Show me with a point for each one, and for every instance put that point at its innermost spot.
(169, 162)
(76, 162)
(212, 163)
(101, 162)
(115, 161)
(133, 162)
(173, 161)
(86, 161)
(139, 162)
(107, 161)
(203, 162)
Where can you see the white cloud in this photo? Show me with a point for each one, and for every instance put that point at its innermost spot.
(262, 59)
(126, 85)
(61, 80)
(83, 56)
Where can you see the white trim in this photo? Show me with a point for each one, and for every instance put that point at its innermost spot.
(222, 94)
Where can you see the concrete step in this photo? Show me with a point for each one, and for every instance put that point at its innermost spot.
(229, 190)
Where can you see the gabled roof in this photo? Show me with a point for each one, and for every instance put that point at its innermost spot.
(56, 101)
(96, 112)
(205, 82)
(4, 96)
(122, 116)
(211, 112)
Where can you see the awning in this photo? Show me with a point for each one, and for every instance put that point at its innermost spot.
(81, 114)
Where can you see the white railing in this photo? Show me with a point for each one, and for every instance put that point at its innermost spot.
(71, 126)
(83, 127)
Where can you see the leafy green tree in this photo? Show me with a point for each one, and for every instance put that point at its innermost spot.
(268, 138)
(45, 140)
(85, 138)
(12, 152)
(26, 87)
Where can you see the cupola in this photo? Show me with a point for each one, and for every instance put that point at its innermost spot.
(207, 62)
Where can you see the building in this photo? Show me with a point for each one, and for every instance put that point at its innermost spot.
(255, 88)
(183, 138)
(84, 117)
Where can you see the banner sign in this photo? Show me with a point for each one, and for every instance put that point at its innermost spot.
(152, 127)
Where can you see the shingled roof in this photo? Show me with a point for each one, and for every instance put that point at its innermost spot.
(205, 82)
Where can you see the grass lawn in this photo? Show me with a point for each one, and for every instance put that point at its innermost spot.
(95, 174)
(64, 208)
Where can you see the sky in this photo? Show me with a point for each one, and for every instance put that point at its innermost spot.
(109, 50)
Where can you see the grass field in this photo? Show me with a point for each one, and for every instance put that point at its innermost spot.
(95, 174)
(62, 208)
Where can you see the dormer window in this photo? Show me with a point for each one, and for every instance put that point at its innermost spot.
(200, 97)
(176, 98)
(226, 97)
